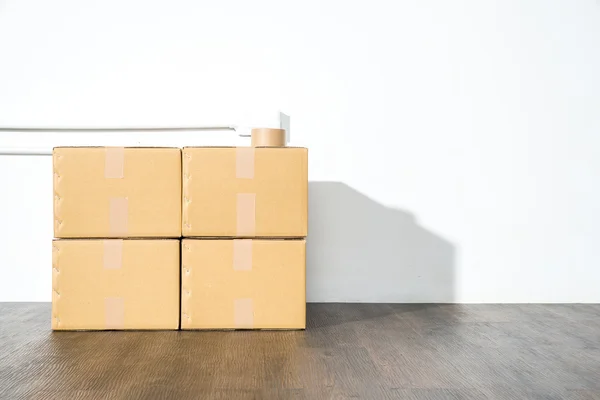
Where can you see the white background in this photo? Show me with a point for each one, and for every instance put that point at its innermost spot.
(454, 146)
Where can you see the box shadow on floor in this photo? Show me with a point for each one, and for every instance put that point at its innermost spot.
(364, 252)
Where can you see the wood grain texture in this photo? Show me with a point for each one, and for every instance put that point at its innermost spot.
(365, 351)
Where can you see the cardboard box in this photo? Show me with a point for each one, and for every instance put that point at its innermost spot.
(245, 192)
(243, 284)
(117, 192)
(115, 284)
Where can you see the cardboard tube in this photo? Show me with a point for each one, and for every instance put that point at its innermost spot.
(267, 137)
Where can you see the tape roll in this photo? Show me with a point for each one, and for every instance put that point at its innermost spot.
(268, 137)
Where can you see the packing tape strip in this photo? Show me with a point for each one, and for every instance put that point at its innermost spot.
(114, 162)
(246, 214)
(117, 216)
(113, 254)
(244, 162)
(243, 313)
(242, 254)
(114, 313)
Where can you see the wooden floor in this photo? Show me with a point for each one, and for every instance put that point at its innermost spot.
(368, 351)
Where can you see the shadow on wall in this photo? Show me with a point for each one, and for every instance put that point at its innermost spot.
(361, 251)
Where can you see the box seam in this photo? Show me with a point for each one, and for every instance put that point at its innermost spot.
(186, 196)
(186, 292)
(56, 157)
(55, 286)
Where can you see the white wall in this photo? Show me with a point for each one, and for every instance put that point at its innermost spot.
(453, 144)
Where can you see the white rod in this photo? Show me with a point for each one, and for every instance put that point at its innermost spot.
(24, 151)
(242, 131)
(116, 129)
(32, 151)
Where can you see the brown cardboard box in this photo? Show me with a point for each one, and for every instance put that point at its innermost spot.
(243, 284)
(117, 192)
(245, 192)
(115, 284)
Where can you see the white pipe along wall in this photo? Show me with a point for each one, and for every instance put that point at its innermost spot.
(453, 146)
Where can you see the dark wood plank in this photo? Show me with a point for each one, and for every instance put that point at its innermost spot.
(369, 351)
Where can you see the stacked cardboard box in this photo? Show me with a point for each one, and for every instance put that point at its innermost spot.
(119, 214)
(244, 223)
(113, 264)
